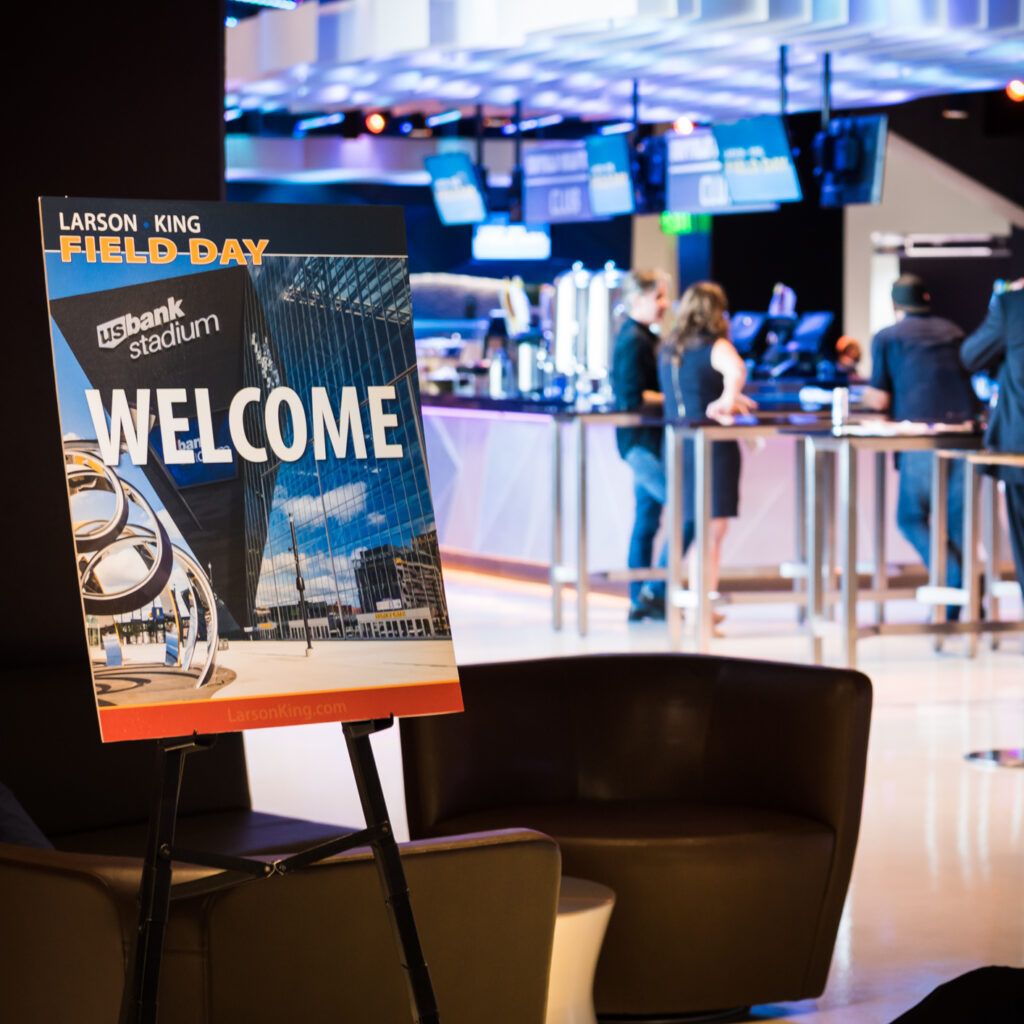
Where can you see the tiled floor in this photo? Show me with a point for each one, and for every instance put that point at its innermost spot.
(938, 883)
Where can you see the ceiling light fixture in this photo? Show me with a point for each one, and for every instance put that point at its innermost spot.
(281, 5)
(448, 117)
(683, 126)
(309, 123)
(532, 123)
(619, 128)
(1015, 90)
(375, 123)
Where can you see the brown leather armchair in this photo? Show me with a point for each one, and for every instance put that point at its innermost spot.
(313, 946)
(720, 798)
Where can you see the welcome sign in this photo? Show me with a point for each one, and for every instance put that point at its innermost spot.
(243, 447)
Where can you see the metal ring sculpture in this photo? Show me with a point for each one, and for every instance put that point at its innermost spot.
(96, 540)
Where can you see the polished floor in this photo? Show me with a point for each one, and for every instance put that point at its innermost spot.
(938, 883)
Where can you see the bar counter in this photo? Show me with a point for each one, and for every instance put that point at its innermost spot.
(502, 494)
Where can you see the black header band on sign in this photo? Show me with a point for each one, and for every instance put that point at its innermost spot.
(290, 228)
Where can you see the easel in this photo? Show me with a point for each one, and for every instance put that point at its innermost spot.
(139, 1001)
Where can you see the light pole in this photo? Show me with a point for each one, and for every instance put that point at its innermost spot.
(300, 586)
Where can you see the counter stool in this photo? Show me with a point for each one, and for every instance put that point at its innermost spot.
(583, 911)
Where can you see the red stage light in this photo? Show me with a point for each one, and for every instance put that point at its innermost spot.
(375, 123)
(1015, 90)
(683, 126)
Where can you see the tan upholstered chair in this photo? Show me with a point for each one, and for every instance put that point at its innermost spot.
(311, 946)
(314, 946)
(719, 798)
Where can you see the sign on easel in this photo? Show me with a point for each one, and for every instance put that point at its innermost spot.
(244, 454)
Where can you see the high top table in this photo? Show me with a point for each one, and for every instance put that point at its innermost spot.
(564, 573)
(844, 443)
(703, 433)
(975, 526)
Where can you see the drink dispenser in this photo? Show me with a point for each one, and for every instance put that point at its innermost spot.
(587, 316)
(571, 290)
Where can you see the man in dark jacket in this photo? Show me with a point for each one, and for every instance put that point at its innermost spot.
(916, 375)
(635, 384)
(998, 345)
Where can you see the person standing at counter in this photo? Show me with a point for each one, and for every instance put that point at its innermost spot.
(916, 375)
(998, 344)
(702, 375)
(635, 385)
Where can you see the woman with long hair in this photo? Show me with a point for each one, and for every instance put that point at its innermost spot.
(702, 376)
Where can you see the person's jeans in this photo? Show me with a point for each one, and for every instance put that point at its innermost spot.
(650, 493)
(913, 510)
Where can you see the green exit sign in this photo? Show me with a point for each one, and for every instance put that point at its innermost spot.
(686, 223)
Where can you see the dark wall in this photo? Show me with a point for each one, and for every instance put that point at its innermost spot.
(434, 247)
(800, 244)
(121, 100)
(987, 145)
(962, 286)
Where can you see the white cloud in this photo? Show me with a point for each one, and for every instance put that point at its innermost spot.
(321, 588)
(281, 563)
(277, 575)
(343, 504)
(171, 527)
(125, 569)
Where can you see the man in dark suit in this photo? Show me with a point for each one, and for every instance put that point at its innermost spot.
(998, 345)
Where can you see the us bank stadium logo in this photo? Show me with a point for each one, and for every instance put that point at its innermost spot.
(177, 329)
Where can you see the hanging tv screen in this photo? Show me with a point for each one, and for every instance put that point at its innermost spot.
(850, 157)
(610, 180)
(556, 184)
(757, 161)
(499, 240)
(695, 178)
(455, 185)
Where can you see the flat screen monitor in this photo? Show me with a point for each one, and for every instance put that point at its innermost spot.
(556, 184)
(744, 329)
(695, 179)
(850, 158)
(455, 184)
(499, 240)
(757, 161)
(610, 177)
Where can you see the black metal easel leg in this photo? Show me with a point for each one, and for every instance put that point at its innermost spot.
(389, 867)
(139, 1000)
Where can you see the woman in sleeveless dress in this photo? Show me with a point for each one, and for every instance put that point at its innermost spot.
(702, 376)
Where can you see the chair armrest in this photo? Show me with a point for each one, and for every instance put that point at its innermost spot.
(65, 921)
(789, 737)
(484, 905)
(509, 747)
(69, 919)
